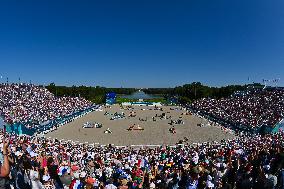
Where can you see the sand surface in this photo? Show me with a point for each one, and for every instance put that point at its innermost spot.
(155, 132)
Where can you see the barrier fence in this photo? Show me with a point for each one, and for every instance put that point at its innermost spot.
(20, 128)
(278, 127)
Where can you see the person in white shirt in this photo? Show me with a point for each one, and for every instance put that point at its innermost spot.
(34, 176)
(110, 185)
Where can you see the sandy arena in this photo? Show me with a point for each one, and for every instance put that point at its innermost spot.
(154, 133)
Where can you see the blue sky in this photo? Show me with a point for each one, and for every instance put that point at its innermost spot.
(141, 43)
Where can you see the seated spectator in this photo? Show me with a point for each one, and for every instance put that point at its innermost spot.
(253, 109)
(33, 105)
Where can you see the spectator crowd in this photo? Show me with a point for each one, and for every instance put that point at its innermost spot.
(250, 161)
(254, 109)
(246, 162)
(33, 105)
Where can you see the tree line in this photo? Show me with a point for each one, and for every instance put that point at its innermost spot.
(94, 94)
(196, 90)
(184, 94)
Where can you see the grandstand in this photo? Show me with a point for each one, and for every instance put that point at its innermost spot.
(254, 110)
(27, 109)
(248, 160)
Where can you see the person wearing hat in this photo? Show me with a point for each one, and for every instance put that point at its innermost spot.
(65, 177)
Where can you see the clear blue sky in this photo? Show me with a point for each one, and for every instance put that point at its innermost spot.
(141, 43)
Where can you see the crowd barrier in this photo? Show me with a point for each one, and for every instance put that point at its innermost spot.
(2, 123)
(21, 129)
(278, 127)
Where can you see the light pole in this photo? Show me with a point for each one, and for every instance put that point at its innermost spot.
(194, 91)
